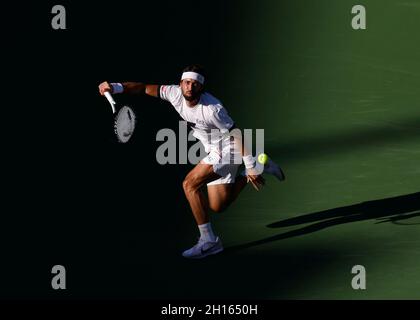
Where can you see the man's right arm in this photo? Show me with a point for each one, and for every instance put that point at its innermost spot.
(130, 88)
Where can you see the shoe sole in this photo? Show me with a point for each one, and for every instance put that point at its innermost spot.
(283, 176)
(205, 254)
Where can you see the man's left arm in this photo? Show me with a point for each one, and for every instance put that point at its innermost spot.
(225, 123)
(252, 174)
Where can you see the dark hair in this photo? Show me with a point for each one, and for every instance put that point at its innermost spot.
(195, 68)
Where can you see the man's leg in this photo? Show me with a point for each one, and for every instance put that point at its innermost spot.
(193, 183)
(220, 196)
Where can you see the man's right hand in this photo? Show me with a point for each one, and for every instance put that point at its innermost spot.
(104, 87)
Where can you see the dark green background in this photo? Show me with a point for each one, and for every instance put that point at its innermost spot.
(340, 109)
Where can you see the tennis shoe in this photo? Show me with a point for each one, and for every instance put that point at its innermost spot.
(203, 249)
(272, 168)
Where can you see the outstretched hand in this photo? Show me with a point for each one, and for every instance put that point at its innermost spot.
(103, 87)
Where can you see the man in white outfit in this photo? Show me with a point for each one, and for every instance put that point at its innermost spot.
(212, 126)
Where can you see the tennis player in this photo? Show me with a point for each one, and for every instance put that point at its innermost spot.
(217, 171)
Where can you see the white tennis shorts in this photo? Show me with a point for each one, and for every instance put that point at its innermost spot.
(224, 165)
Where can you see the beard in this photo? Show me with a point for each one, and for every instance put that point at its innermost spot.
(193, 96)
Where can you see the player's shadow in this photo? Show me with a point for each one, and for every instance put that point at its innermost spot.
(392, 210)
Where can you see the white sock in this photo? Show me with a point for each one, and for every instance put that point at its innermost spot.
(206, 232)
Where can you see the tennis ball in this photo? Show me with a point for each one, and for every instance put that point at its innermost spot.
(262, 158)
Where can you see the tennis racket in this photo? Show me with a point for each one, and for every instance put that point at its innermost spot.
(124, 120)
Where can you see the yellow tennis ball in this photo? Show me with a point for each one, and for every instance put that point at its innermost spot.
(262, 158)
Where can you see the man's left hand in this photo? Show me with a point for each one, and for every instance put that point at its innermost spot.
(255, 178)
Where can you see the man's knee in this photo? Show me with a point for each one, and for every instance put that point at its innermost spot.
(218, 207)
(190, 184)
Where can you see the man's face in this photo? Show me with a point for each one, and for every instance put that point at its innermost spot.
(191, 89)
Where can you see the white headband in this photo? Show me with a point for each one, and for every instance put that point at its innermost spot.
(193, 76)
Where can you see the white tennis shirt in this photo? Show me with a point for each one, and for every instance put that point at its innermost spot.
(209, 119)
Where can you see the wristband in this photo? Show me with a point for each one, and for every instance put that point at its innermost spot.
(117, 87)
(249, 161)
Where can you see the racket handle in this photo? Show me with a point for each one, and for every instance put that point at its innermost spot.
(110, 100)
